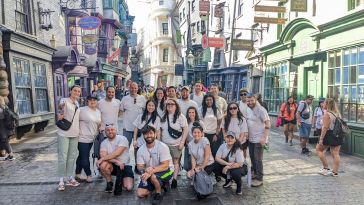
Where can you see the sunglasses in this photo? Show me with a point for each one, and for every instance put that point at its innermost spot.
(243, 94)
(170, 104)
(233, 108)
(134, 100)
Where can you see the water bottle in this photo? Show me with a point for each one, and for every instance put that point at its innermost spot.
(266, 147)
(144, 183)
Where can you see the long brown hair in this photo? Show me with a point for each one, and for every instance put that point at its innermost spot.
(331, 106)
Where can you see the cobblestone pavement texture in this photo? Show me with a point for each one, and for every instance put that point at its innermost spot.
(290, 178)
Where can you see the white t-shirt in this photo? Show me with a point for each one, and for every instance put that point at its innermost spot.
(155, 156)
(111, 146)
(197, 98)
(181, 122)
(236, 126)
(131, 110)
(160, 111)
(243, 107)
(319, 114)
(68, 112)
(221, 104)
(197, 150)
(109, 112)
(237, 157)
(255, 119)
(89, 121)
(307, 110)
(139, 125)
(185, 104)
(190, 136)
(210, 120)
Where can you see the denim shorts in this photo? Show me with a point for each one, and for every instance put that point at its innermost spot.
(305, 130)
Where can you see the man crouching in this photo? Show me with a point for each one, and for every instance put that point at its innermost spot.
(115, 160)
(155, 162)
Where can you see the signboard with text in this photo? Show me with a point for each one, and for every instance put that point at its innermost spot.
(219, 10)
(268, 20)
(89, 23)
(241, 44)
(216, 42)
(114, 56)
(278, 9)
(204, 7)
(299, 5)
(89, 38)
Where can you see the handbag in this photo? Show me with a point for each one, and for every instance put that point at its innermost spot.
(278, 121)
(175, 134)
(65, 124)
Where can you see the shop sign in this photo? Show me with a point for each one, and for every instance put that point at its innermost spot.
(219, 10)
(89, 23)
(269, 20)
(113, 56)
(178, 69)
(278, 9)
(216, 42)
(240, 44)
(90, 49)
(204, 7)
(299, 5)
(89, 38)
(204, 42)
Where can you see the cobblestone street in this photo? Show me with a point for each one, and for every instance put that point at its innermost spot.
(290, 178)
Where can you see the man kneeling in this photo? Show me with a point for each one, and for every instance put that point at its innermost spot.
(155, 162)
(115, 159)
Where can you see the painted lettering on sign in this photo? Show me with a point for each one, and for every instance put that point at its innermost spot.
(89, 23)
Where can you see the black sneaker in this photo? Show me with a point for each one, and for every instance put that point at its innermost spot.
(10, 158)
(109, 186)
(290, 143)
(286, 139)
(218, 179)
(228, 183)
(238, 190)
(303, 151)
(157, 198)
(174, 184)
(136, 171)
(166, 187)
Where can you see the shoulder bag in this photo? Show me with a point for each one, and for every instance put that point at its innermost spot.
(172, 132)
(65, 124)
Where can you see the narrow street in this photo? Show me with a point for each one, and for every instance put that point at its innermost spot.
(290, 178)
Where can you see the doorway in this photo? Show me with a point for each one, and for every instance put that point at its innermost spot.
(312, 82)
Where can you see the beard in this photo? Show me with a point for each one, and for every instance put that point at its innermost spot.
(149, 140)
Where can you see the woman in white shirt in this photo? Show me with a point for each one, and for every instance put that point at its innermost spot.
(200, 151)
(159, 97)
(90, 122)
(174, 134)
(229, 162)
(192, 117)
(317, 117)
(211, 117)
(68, 139)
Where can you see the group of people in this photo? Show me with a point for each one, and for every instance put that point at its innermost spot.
(215, 136)
(322, 118)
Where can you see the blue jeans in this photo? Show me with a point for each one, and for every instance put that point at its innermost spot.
(305, 130)
(83, 159)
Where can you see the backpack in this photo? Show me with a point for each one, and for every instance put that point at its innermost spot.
(10, 118)
(306, 115)
(97, 145)
(202, 184)
(341, 129)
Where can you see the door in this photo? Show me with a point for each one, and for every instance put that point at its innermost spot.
(312, 82)
(58, 89)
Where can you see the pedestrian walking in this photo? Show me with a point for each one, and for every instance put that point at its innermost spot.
(174, 134)
(229, 162)
(155, 162)
(304, 122)
(115, 160)
(7, 129)
(192, 117)
(185, 101)
(109, 108)
(235, 122)
(258, 128)
(287, 113)
(132, 105)
(317, 118)
(200, 151)
(327, 138)
(67, 139)
(211, 117)
(90, 123)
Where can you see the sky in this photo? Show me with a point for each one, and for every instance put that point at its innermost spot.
(139, 9)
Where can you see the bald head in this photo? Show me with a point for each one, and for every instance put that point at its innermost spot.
(134, 89)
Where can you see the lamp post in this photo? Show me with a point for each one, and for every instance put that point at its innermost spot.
(190, 58)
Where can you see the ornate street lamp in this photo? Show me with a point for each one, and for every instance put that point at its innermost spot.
(190, 58)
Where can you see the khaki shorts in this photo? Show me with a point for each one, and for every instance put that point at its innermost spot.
(175, 152)
(290, 127)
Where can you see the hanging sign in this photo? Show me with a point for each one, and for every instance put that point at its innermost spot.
(278, 9)
(113, 56)
(240, 44)
(204, 42)
(89, 38)
(219, 10)
(204, 7)
(90, 49)
(216, 42)
(267, 20)
(299, 5)
(89, 23)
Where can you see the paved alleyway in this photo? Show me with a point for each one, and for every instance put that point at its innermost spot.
(290, 178)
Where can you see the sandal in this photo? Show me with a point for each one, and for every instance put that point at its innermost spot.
(73, 183)
(61, 186)
(80, 178)
(89, 179)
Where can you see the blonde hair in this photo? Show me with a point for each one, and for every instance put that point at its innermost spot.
(332, 106)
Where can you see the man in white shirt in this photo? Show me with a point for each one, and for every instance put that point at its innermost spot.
(109, 108)
(220, 102)
(155, 161)
(198, 95)
(185, 102)
(258, 129)
(172, 92)
(242, 103)
(115, 160)
(132, 105)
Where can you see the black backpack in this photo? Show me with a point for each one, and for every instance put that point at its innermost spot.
(341, 129)
(97, 145)
(10, 118)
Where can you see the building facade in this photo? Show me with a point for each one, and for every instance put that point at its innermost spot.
(157, 47)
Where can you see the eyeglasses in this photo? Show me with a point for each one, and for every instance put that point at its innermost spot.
(170, 104)
(233, 108)
(134, 100)
(243, 94)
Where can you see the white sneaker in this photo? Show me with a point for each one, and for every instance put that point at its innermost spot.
(328, 173)
(61, 186)
(323, 171)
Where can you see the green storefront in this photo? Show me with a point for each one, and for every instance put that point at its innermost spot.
(325, 61)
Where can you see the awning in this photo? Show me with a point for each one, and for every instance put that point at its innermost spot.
(78, 71)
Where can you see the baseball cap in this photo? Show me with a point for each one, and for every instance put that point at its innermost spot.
(91, 97)
(249, 95)
(310, 96)
(186, 87)
(231, 134)
(322, 100)
(244, 90)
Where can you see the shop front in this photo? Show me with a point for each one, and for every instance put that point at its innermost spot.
(325, 61)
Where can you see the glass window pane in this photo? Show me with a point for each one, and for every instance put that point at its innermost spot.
(346, 57)
(353, 55)
(353, 74)
(345, 93)
(331, 77)
(338, 59)
(361, 55)
(331, 60)
(337, 76)
(360, 94)
(361, 74)
(360, 114)
(23, 101)
(352, 112)
(337, 94)
(330, 92)
(353, 94)
(345, 111)
(345, 75)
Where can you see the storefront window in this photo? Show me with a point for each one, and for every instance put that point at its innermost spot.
(346, 82)
(40, 83)
(22, 86)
